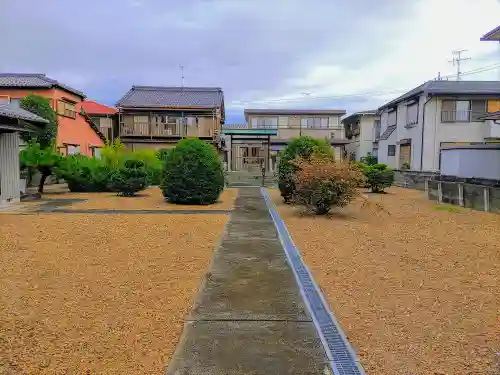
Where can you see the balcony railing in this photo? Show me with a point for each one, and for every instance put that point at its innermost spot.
(461, 116)
(330, 127)
(145, 129)
(455, 116)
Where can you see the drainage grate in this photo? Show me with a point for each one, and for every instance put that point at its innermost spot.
(339, 351)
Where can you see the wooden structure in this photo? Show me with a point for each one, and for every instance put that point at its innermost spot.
(157, 117)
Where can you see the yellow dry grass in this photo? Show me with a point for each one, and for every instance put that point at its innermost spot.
(149, 199)
(98, 294)
(416, 289)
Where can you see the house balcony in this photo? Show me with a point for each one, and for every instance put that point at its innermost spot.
(146, 129)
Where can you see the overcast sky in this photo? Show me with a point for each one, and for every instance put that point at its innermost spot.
(263, 53)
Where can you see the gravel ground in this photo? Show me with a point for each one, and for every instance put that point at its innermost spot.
(150, 199)
(98, 294)
(416, 289)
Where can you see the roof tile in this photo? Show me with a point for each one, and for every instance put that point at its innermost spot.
(12, 111)
(94, 108)
(151, 96)
(20, 80)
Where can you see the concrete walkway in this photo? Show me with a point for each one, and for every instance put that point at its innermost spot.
(249, 317)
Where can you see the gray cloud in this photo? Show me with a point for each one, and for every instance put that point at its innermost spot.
(251, 48)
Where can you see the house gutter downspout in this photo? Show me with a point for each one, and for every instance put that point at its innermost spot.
(422, 139)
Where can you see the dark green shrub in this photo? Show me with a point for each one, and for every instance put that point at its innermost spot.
(162, 153)
(45, 160)
(193, 173)
(378, 177)
(302, 147)
(40, 106)
(84, 174)
(153, 166)
(130, 178)
(369, 159)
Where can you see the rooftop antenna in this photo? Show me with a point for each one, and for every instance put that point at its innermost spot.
(182, 75)
(457, 59)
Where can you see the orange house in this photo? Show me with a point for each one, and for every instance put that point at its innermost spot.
(76, 132)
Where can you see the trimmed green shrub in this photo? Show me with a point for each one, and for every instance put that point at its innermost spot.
(152, 165)
(130, 178)
(45, 160)
(378, 177)
(84, 174)
(193, 173)
(302, 147)
(369, 159)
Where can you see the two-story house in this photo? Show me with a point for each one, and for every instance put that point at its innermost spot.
(417, 124)
(283, 126)
(75, 133)
(158, 117)
(362, 130)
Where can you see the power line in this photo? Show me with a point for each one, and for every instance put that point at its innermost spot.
(302, 98)
(457, 59)
(475, 71)
(308, 96)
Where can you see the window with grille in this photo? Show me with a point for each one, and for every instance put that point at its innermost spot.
(73, 149)
(391, 150)
(66, 109)
(412, 113)
(265, 122)
(392, 117)
(314, 122)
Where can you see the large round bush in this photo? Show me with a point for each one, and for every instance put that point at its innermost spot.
(193, 173)
(302, 147)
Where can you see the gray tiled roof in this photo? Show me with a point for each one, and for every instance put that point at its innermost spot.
(387, 133)
(151, 96)
(437, 88)
(11, 111)
(285, 112)
(21, 80)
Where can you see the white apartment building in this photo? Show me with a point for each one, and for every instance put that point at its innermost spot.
(361, 132)
(437, 113)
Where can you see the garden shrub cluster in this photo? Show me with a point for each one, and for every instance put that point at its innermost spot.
(302, 147)
(309, 176)
(193, 173)
(322, 183)
(119, 170)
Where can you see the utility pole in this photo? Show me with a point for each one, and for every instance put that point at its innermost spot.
(457, 59)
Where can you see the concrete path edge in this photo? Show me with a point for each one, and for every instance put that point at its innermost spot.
(290, 250)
